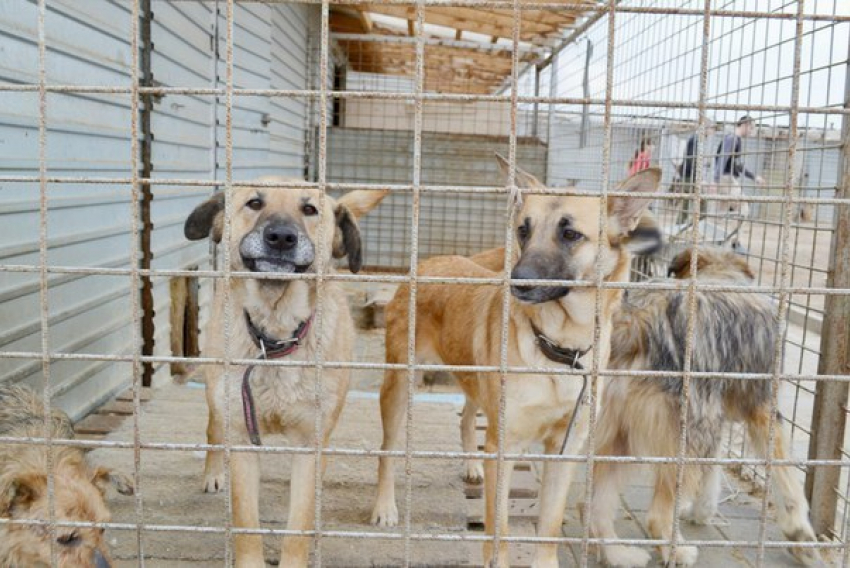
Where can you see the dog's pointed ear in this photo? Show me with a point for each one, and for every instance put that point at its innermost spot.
(103, 477)
(347, 238)
(646, 238)
(523, 179)
(19, 491)
(361, 201)
(681, 264)
(625, 212)
(207, 218)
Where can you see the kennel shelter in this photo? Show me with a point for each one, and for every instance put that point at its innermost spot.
(119, 116)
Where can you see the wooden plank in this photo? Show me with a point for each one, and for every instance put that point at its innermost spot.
(98, 424)
(447, 17)
(145, 395)
(119, 407)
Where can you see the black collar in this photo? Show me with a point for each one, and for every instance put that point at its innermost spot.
(555, 352)
(272, 348)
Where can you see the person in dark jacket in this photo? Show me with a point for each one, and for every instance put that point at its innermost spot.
(729, 167)
(688, 172)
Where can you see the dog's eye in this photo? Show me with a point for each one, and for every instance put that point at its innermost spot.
(309, 210)
(70, 539)
(571, 235)
(522, 232)
(256, 204)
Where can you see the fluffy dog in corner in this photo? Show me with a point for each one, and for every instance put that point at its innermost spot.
(78, 490)
(735, 332)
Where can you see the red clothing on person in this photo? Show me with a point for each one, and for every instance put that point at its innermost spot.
(640, 163)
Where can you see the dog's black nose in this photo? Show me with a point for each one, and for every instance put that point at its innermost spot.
(521, 272)
(280, 236)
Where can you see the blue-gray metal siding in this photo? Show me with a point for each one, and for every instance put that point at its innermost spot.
(89, 135)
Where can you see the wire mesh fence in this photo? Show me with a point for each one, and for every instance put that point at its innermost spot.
(742, 105)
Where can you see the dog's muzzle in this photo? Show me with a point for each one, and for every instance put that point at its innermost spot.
(100, 561)
(277, 246)
(535, 294)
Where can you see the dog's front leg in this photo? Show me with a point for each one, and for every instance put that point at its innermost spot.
(214, 466)
(295, 550)
(491, 468)
(245, 481)
(557, 477)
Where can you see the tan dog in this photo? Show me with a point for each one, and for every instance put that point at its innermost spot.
(557, 238)
(734, 332)
(78, 490)
(278, 230)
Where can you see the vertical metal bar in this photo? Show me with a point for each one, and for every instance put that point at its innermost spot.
(146, 226)
(829, 416)
(783, 296)
(320, 281)
(536, 112)
(43, 282)
(227, 282)
(506, 297)
(596, 363)
(135, 249)
(419, 88)
(585, 84)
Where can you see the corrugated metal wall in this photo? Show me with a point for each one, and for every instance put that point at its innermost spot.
(89, 135)
(449, 223)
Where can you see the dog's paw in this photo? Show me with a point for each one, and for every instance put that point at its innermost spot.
(213, 481)
(385, 514)
(620, 556)
(700, 513)
(685, 555)
(796, 526)
(474, 472)
(805, 555)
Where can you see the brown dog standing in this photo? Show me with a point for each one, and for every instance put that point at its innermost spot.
(556, 238)
(278, 230)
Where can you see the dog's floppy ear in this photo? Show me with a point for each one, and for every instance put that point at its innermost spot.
(361, 201)
(103, 477)
(625, 212)
(19, 491)
(208, 217)
(523, 179)
(347, 238)
(646, 237)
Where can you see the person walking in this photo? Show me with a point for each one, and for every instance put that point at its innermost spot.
(688, 172)
(729, 167)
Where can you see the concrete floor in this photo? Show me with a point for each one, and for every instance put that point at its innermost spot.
(171, 496)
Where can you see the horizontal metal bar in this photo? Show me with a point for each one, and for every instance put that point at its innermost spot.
(357, 365)
(665, 285)
(425, 96)
(425, 536)
(420, 454)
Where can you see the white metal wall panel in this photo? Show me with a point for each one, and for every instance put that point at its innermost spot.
(89, 135)
(289, 71)
(87, 225)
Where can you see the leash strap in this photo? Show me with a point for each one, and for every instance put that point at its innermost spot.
(248, 410)
(570, 358)
(269, 349)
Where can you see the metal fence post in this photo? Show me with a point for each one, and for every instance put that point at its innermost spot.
(829, 414)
